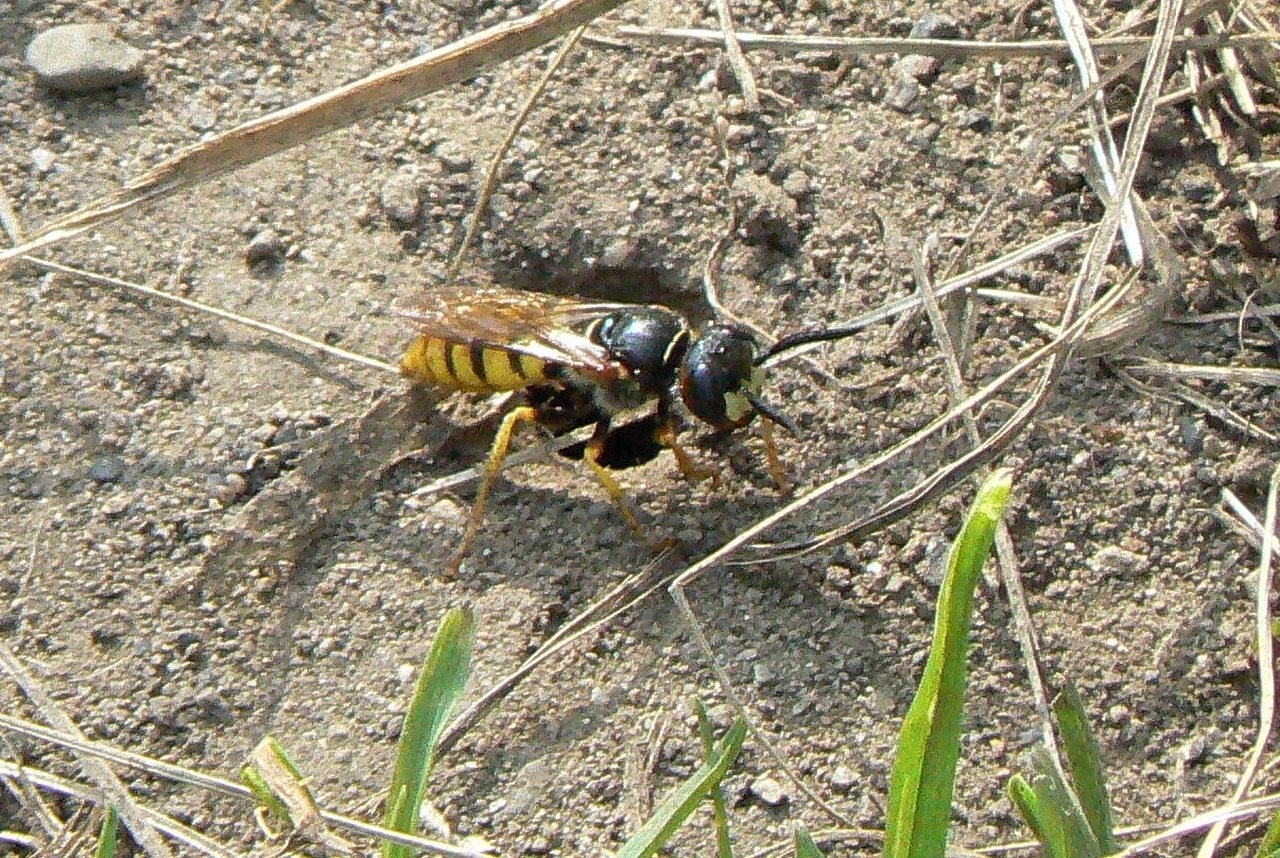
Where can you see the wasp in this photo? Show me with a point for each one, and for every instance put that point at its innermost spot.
(582, 363)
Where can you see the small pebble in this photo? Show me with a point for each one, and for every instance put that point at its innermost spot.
(825, 60)
(1066, 170)
(115, 506)
(1116, 562)
(1199, 189)
(82, 58)
(918, 67)
(399, 198)
(975, 120)
(921, 140)
(768, 216)
(843, 778)
(42, 160)
(107, 469)
(202, 117)
(797, 184)
(226, 489)
(265, 248)
(622, 252)
(935, 26)
(1193, 434)
(769, 791)
(739, 134)
(902, 95)
(453, 157)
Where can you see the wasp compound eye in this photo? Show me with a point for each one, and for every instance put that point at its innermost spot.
(648, 341)
(718, 377)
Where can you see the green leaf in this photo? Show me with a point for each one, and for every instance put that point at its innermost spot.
(929, 746)
(108, 835)
(805, 847)
(1085, 763)
(254, 780)
(724, 845)
(1024, 798)
(1066, 831)
(440, 684)
(1270, 845)
(675, 809)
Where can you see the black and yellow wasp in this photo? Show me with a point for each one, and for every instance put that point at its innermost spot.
(582, 362)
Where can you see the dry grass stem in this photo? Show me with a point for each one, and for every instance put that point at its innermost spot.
(1244, 522)
(1255, 310)
(1233, 68)
(629, 593)
(1264, 641)
(171, 828)
(217, 312)
(1244, 810)
(111, 787)
(774, 753)
(1196, 400)
(941, 48)
(1193, 66)
(1039, 247)
(902, 504)
(495, 163)
(737, 61)
(1005, 551)
(338, 108)
(91, 750)
(1229, 374)
(1071, 20)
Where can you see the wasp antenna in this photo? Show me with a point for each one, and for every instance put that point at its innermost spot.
(768, 412)
(804, 338)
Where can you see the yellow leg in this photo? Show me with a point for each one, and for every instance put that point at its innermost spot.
(668, 437)
(773, 463)
(497, 454)
(595, 448)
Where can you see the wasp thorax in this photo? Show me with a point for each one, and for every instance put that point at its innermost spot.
(648, 341)
(717, 375)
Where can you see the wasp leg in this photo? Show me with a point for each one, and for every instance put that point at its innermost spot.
(591, 455)
(497, 454)
(772, 462)
(668, 437)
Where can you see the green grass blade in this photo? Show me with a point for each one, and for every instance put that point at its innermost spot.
(805, 847)
(1024, 798)
(108, 835)
(440, 684)
(929, 745)
(1067, 832)
(1085, 762)
(258, 785)
(675, 809)
(1270, 845)
(724, 845)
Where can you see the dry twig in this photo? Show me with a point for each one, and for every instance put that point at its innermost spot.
(338, 108)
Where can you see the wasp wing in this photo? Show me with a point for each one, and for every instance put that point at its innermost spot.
(544, 326)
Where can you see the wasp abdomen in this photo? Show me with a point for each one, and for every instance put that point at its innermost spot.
(473, 367)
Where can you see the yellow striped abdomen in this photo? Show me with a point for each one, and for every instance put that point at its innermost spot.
(473, 367)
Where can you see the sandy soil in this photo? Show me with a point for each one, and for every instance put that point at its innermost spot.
(135, 435)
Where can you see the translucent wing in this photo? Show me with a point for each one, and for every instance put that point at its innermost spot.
(542, 326)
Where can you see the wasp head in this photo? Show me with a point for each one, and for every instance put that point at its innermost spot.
(720, 379)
